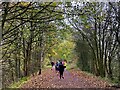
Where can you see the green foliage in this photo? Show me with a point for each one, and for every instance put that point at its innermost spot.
(19, 83)
(35, 32)
(71, 66)
(95, 24)
(60, 43)
(82, 50)
(28, 30)
(63, 50)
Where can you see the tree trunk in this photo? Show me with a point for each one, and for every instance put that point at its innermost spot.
(109, 67)
(16, 65)
(40, 55)
(119, 65)
(40, 59)
(11, 69)
(28, 57)
(25, 62)
(19, 72)
(105, 61)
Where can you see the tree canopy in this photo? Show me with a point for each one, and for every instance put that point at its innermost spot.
(34, 33)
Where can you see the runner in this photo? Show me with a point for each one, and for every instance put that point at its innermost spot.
(61, 70)
(57, 66)
(52, 64)
(64, 63)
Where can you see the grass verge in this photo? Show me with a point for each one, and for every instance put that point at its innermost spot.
(19, 83)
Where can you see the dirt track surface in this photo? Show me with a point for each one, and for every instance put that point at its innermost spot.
(72, 79)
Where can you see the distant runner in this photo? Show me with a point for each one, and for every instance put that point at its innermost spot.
(64, 63)
(61, 70)
(57, 66)
(52, 64)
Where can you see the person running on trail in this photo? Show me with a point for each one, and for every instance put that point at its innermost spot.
(61, 70)
(65, 63)
(52, 63)
(57, 66)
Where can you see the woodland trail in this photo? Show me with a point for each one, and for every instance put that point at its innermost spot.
(73, 79)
